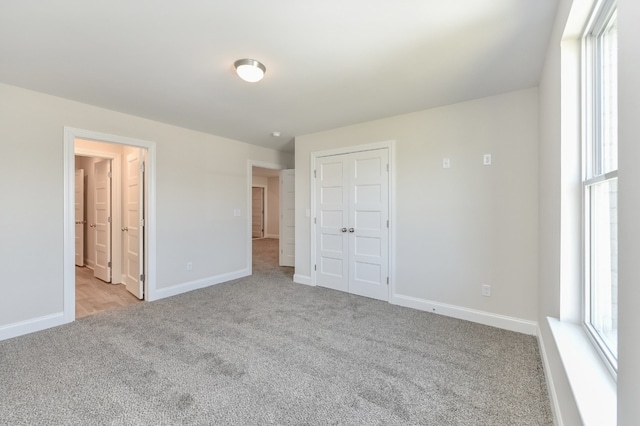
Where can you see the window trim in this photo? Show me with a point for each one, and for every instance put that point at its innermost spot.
(592, 160)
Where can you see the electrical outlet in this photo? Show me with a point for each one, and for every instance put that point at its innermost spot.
(486, 290)
(486, 160)
(189, 266)
(446, 163)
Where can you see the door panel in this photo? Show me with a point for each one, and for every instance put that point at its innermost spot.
(133, 231)
(332, 206)
(257, 212)
(102, 216)
(79, 217)
(352, 211)
(369, 243)
(287, 218)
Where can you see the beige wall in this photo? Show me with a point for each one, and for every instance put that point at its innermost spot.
(459, 228)
(201, 178)
(629, 211)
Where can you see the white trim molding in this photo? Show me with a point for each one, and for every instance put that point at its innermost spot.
(481, 317)
(592, 385)
(551, 387)
(199, 284)
(302, 279)
(31, 325)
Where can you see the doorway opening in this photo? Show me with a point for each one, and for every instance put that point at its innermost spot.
(109, 255)
(108, 212)
(265, 215)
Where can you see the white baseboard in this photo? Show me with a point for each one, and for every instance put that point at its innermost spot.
(302, 279)
(31, 326)
(553, 396)
(174, 290)
(276, 236)
(487, 318)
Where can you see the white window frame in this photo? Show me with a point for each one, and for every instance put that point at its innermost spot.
(592, 158)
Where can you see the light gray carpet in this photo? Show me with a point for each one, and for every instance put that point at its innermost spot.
(263, 350)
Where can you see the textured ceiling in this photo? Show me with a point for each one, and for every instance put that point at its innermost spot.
(329, 63)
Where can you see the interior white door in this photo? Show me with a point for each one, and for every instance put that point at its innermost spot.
(287, 218)
(368, 227)
(352, 212)
(102, 216)
(79, 217)
(133, 231)
(257, 212)
(332, 222)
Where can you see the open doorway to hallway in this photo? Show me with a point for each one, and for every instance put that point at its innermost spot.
(109, 223)
(265, 214)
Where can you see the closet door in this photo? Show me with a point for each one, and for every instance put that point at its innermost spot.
(352, 212)
(368, 231)
(332, 219)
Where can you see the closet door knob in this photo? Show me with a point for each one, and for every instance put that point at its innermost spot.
(344, 229)
(352, 230)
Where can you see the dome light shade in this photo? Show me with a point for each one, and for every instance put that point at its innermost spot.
(250, 70)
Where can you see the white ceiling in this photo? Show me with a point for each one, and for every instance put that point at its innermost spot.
(329, 62)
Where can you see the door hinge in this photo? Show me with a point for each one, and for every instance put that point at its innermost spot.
(387, 223)
(109, 264)
(315, 267)
(142, 222)
(142, 277)
(109, 175)
(387, 166)
(109, 219)
(142, 167)
(387, 280)
(314, 174)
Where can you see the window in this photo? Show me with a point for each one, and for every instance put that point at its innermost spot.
(600, 181)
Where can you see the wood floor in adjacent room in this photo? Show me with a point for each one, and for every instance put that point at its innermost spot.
(94, 295)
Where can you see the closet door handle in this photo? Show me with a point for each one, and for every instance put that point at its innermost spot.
(344, 229)
(126, 228)
(352, 230)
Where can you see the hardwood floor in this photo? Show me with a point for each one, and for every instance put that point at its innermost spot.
(94, 295)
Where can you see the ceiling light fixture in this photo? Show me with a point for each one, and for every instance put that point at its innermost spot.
(250, 70)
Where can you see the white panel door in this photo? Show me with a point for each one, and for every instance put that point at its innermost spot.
(332, 221)
(102, 215)
(257, 212)
(287, 218)
(133, 231)
(368, 231)
(79, 213)
(352, 212)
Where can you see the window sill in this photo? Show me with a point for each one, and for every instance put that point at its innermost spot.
(593, 387)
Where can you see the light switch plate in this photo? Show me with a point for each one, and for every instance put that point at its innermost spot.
(486, 160)
(446, 163)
